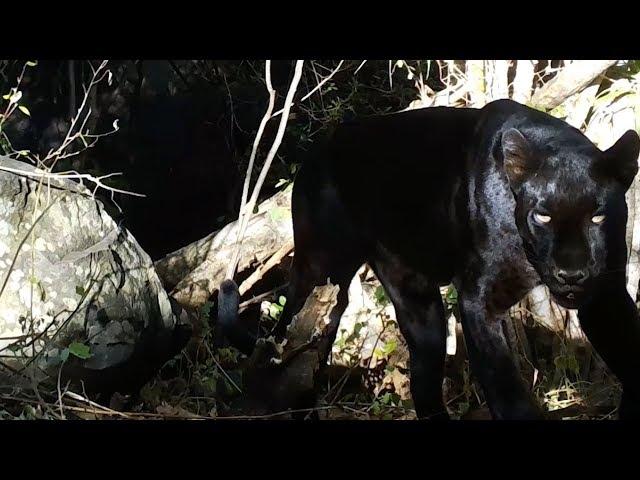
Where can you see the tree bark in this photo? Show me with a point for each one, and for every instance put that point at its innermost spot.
(499, 80)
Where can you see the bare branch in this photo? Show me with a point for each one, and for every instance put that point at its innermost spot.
(74, 175)
(317, 87)
(248, 210)
(275, 259)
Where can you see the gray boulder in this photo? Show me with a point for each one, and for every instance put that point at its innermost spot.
(77, 291)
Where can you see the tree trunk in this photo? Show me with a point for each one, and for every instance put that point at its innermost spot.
(523, 81)
(498, 78)
(476, 81)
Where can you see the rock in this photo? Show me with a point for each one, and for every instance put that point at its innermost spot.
(71, 278)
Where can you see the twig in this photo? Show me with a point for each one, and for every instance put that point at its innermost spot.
(26, 400)
(60, 391)
(80, 398)
(247, 180)
(226, 375)
(317, 87)
(277, 414)
(275, 259)
(98, 75)
(12, 105)
(260, 297)
(71, 175)
(359, 67)
(248, 210)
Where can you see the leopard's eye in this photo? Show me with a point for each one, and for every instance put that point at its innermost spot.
(598, 219)
(541, 218)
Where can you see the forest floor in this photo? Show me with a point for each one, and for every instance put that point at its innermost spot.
(208, 384)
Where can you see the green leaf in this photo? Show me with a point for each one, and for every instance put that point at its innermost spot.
(24, 110)
(282, 300)
(36, 283)
(390, 347)
(572, 365)
(451, 296)
(80, 290)
(15, 347)
(80, 350)
(278, 213)
(32, 63)
(15, 97)
(275, 310)
(560, 362)
(228, 354)
(386, 399)
(381, 296)
(559, 112)
(463, 408)
(206, 309)
(357, 327)
(64, 355)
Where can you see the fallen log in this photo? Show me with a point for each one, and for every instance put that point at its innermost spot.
(193, 273)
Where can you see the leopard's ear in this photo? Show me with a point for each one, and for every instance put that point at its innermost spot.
(620, 161)
(519, 160)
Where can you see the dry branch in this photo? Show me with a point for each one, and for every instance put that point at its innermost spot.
(569, 81)
(254, 150)
(275, 259)
(247, 210)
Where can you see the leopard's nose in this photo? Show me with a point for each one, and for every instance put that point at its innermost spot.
(571, 276)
